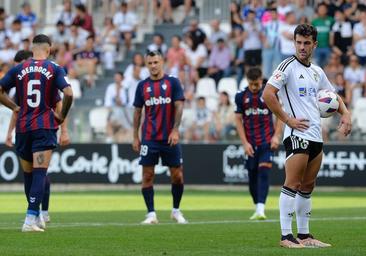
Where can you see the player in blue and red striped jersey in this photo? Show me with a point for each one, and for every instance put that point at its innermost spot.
(37, 83)
(162, 98)
(254, 122)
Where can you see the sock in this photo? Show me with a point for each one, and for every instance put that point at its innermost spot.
(253, 181)
(36, 190)
(263, 184)
(148, 194)
(303, 211)
(46, 195)
(30, 219)
(27, 183)
(287, 209)
(177, 192)
(260, 208)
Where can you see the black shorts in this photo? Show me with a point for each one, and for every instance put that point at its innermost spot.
(297, 145)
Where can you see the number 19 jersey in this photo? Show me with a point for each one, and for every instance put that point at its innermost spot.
(37, 83)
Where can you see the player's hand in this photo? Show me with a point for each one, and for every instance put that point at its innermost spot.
(275, 142)
(248, 149)
(345, 124)
(16, 110)
(58, 118)
(64, 139)
(300, 124)
(173, 138)
(8, 141)
(136, 144)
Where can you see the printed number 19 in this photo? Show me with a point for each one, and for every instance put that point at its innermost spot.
(33, 102)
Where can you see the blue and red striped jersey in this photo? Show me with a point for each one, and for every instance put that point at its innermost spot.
(257, 117)
(158, 97)
(37, 84)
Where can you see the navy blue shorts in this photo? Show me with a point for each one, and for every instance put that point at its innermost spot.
(34, 141)
(262, 154)
(151, 151)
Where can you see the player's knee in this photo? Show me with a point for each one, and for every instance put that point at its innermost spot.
(293, 185)
(148, 177)
(177, 176)
(307, 186)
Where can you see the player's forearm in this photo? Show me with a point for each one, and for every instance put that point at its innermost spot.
(278, 128)
(342, 109)
(136, 122)
(7, 101)
(274, 105)
(240, 129)
(12, 123)
(64, 126)
(178, 114)
(66, 105)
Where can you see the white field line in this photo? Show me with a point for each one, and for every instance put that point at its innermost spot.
(5, 226)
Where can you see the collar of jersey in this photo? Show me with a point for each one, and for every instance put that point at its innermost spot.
(308, 66)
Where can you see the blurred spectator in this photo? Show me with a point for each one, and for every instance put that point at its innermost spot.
(286, 31)
(359, 37)
(283, 8)
(27, 17)
(131, 85)
(256, 6)
(163, 9)
(108, 40)
(158, 44)
(8, 19)
(341, 87)
(267, 16)
(333, 67)
(252, 40)
(199, 131)
(301, 9)
(77, 38)
(224, 117)
(64, 56)
(8, 52)
(75, 83)
(25, 44)
(138, 60)
(271, 55)
(238, 63)
(116, 99)
(60, 35)
(87, 60)
(351, 9)
(67, 16)
(126, 22)
(216, 32)
(197, 34)
(196, 56)
(17, 34)
(175, 58)
(323, 23)
(3, 33)
(236, 20)
(84, 19)
(134, 4)
(354, 74)
(219, 61)
(341, 35)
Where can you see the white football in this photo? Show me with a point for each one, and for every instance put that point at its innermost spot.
(327, 102)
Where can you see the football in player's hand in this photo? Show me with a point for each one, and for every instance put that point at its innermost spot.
(327, 102)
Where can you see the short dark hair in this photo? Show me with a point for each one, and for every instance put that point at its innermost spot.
(22, 55)
(153, 53)
(41, 39)
(306, 30)
(254, 73)
(81, 7)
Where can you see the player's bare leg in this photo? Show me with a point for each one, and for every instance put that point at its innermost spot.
(148, 193)
(295, 167)
(176, 174)
(303, 204)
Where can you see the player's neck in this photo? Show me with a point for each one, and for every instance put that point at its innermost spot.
(157, 77)
(305, 62)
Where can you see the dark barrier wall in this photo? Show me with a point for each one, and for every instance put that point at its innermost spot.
(343, 165)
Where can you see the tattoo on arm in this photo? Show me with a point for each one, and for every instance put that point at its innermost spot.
(40, 158)
(178, 113)
(136, 121)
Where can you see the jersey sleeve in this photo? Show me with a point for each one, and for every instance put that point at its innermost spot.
(8, 81)
(139, 97)
(279, 78)
(239, 103)
(324, 82)
(177, 92)
(61, 80)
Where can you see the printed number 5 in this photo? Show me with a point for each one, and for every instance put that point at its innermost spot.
(143, 150)
(33, 102)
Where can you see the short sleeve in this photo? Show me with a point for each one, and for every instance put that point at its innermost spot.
(61, 79)
(177, 89)
(239, 103)
(279, 77)
(139, 97)
(8, 81)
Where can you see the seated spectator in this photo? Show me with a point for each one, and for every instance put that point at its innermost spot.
(196, 56)
(25, 44)
(126, 22)
(193, 31)
(333, 67)
(84, 19)
(116, 99)
(175, 58)
(8, 19)
(158, 44)
(199, 131)
(341, 86)
(224, 117)
(67, 16)
(77, 39)
(87, 60)
(256, 6)
(8, 52)
(64, 56)
(16, 33)
(61, 35)
(354, 74)
(27, 17)
(75, 83)
(131, 85)
(301, 9)
(163, 9)
(138, 60)
(108, 41)
(219, 61)
(216, 32)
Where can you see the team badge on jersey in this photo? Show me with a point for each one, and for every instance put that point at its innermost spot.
(164, 86)
(148, 89)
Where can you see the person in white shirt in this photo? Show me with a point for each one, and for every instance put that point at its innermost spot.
(354, 74)
(126, 22)
(359, 37)
(297, 81)
(285, 32)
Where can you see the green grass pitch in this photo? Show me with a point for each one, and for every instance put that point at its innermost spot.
(107, 223)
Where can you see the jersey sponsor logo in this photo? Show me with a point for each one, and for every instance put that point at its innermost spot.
(256, 111)
(302, 91)
(158, 101)
(32, 69)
